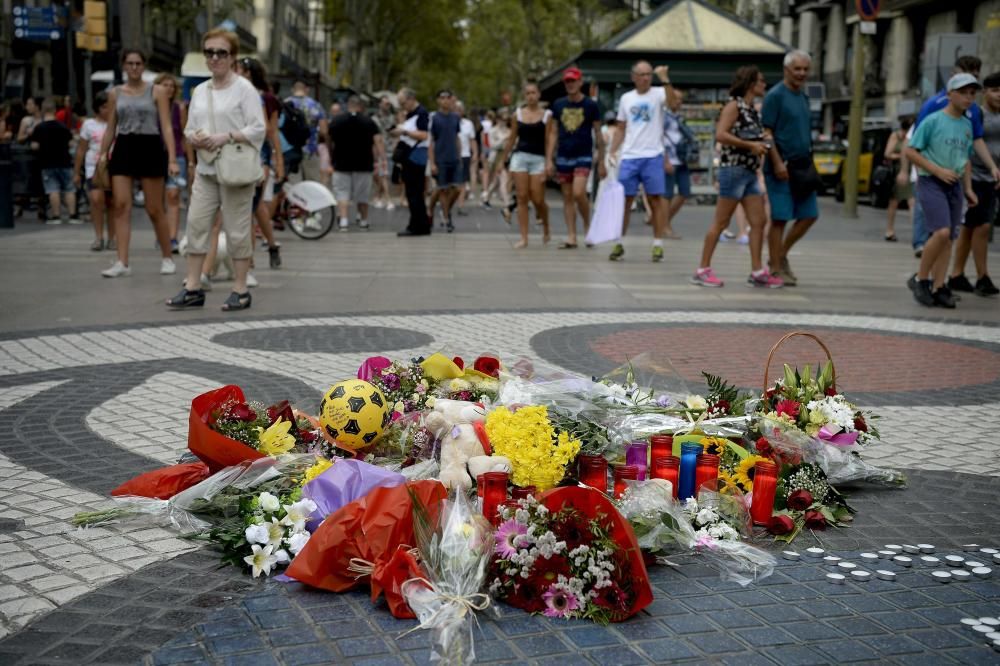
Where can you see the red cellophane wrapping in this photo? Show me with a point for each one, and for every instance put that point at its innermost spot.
(376, 529)
(631, 570)
(165, 482)
(215, 449)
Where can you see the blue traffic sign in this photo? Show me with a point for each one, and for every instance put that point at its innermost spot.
(868, 9)
(38, 33)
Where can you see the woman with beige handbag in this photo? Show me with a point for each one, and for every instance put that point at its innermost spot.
(226, 127)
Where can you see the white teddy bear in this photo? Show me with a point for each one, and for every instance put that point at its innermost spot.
(452, 421)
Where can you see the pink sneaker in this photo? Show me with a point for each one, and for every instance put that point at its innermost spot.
(705, 277)
(765, 280)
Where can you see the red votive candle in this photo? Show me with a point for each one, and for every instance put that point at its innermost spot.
(494, 494)
(661, 446)
(522, 493)
(669, 468)
(624, 473)
(593, 471)
(765, 483)
(706, 469)
(479, 485)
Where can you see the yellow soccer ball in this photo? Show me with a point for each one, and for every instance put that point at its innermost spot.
(354, 412)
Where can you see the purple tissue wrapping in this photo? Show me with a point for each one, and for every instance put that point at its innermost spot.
(346, 481)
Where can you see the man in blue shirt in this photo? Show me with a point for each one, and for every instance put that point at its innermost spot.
(445, 156)
(787, 119)
(968, 65)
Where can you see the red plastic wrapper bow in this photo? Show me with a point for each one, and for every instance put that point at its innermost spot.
(368, 540)
(216, 450)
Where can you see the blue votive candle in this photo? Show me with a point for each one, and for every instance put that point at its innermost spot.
(689, 460)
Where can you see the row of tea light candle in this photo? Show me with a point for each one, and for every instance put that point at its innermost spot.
(894, 553)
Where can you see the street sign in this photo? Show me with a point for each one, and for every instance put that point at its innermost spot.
(38, 33)
(867, 9)
(869, 27)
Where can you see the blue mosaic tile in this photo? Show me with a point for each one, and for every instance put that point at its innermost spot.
(666, 650)
(251, 659)
(689, 624)
(620, 656)
(641, 630)
(362, 645)
(736, 618)
(536, 646)
(224, 645)
(843, 651)
(309, 654)
(346, 628)
(226, 627)
(796, 655)
(276, 619)
(764, 637)
(587, 637)
(894, 645)
(268, 602)
(940, 639)
(815, 630)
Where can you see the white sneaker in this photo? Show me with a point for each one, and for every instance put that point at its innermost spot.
(363, 224)
(75, 220)
(379, 204)
(168, 267)
(118, 269)
(391, 206)
(251, 281)
(344, 225)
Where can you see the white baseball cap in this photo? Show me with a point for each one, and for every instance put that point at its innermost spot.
(962, 80)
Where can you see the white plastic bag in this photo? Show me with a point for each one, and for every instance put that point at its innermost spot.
(609, 209)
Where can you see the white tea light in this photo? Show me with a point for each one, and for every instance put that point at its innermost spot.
(907, 548)
(903, 561)
(925, 547)
(989, 551)
(969, 621)
(886, 554)
(838, 579)
(954, 559)
(832, 559)
(960, 574)
(815, 552)
(996, 558)
(991, 621)
(847, 565)
(983, 629)
(982, 572)
(860, 576)
(993, 636)
(972, 564)
(942, 577)
(888, 575)
(929, 561)
(896, 548)
(970, 547)
(869, 557)
(789, 555)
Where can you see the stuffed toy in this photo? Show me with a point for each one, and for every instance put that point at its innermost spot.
(483, 464)
(452, 422)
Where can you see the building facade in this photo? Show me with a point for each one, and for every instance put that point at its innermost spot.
(899, 67)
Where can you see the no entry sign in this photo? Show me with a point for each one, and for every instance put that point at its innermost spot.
(867, 9)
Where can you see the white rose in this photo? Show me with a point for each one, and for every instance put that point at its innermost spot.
(297, 542)
(282, 556)
(256, 533)
(695, 402)
(269, 502)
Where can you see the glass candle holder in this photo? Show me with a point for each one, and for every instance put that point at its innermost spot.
(622, 474)
(593, 471)
(765, 483)
(668, 468)
(494, 494)
(637, 455)
(706, 469)
(661, 446)
(522, 493)
(480, 480)
(689, 461)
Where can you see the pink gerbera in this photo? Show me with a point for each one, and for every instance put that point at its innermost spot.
(559, 602)
(789, 407)
(506, 533)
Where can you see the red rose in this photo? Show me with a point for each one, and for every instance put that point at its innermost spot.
(242, 412)
(859, 423)
(459, 362)
(800, 500)
(487, 365)
(830, 391)
(780, 525)
(721, 407)
(307, 436)
(764, 447)
(815, 520)
(282, 410)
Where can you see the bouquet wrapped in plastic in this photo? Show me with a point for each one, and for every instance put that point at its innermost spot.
(455, 552)
(213, 448)
(712, 525)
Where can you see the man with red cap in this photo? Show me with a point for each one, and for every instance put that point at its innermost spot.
(573, 127)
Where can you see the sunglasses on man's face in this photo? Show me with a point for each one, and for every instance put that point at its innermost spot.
(216, 54)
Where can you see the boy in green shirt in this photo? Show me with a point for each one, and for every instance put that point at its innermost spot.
(940, 149)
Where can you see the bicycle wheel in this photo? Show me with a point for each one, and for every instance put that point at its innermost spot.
(312, 226)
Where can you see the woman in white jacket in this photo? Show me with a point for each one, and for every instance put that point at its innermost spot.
(237, 117)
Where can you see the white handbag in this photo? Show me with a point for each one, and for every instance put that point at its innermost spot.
(236, 164)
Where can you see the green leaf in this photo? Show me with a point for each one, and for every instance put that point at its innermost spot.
(791, 377)
(827, 374)
(806, 373)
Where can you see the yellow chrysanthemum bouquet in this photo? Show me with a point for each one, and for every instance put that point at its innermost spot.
(537, 452)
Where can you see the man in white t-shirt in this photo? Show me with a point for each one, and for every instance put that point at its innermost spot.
(470, 155)
(639, 134)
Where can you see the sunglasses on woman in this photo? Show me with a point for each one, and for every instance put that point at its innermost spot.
(216, 54)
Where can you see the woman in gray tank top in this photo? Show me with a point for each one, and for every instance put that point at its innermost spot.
(140, 140)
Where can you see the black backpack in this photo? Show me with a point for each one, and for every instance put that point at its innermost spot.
(295, 128)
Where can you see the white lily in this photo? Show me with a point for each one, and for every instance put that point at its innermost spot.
(298, 541)
(297, 514)
(262, 560)
(275, 532)
(269, 502)
(257, 533)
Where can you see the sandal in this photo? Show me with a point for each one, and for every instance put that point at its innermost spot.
(97, 245)
(274, 256)
(187, 299)
(891, 238)
(237, 301)
(568, 246)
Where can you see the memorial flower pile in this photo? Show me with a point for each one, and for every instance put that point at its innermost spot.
(537, 452)
(271, 430)
(806, 500)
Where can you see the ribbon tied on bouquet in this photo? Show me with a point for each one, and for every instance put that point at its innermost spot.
(836, 437)
(438, 609)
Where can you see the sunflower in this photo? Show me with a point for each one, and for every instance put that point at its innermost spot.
(726, 482)
(743, 476)
(714, 445)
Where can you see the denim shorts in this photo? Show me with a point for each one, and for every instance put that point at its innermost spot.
(521, 162)
(784, 206)
(736, 182)
(942, 204)
(449, 174)
(180, 182)
(58, 180)
(645, 170)
(679, 181)
(568, 168)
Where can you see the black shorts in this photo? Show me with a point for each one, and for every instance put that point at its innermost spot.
(985, 210)
(466, 169)
(138, 156)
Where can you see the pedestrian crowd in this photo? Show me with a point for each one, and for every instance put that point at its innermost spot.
(231, 150)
